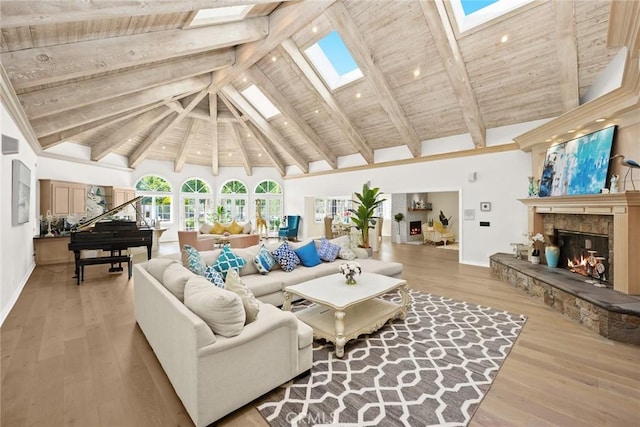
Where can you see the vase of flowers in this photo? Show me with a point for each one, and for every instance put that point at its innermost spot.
(349, 270)
(535, 250)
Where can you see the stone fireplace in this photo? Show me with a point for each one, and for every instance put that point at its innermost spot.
(616, 216)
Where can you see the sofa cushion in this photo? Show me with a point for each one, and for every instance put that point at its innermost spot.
(264, 285)
(212, 275)
(228, 260)
(345, 247)
(175, 277)
(157, 266)
(286, 257)
(264, 261)
(246, 228)
(205, 228)
(308, 255)
(222, 310)
(235, 228)
(194, 262)
(328, 251)
(387, 268)
(249, 301)
(217, 228)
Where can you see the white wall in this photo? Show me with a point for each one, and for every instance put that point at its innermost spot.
(16, 249)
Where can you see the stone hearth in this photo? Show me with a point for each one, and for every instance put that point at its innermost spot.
(611, 314)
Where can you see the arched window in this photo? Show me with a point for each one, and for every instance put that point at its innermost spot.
(269, 203)
(234, 199)
(196, 204)
(156, 200)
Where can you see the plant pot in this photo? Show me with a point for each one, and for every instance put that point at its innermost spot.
(552, 255)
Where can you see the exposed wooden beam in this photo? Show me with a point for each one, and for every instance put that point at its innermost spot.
(97, 90)
(257, 136)
(12, 105)
(301, 65)
(239, 101)
(89, 113)
(567, 54)
(142, 150)
(202, 114)
(449, 51)
(187, 139)
(342, 21)
(37, 66)
(284, 22)
(243, 151)
(118, 138)
(213, 130)
(16, 13)
(258, 77)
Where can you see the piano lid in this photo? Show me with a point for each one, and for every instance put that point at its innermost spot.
(92, 221)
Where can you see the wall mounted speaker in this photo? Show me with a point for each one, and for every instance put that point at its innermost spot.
(9, 145)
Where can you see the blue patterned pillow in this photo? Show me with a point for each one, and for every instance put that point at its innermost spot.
(264, 260)
(328, 251)
(194, 261)
(286, 257)
(228, 260)
(308, 255)
(213, 276)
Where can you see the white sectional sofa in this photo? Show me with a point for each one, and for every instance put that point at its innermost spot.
(214, 375)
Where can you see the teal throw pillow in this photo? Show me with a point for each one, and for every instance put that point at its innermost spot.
(286, 257)
(308, 255)
(264, 261)
(194, 261)
(228, 260)
(212, 275)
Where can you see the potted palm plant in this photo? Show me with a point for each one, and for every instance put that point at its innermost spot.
(363, 216)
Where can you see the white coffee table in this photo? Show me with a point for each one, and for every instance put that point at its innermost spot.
(343, 312)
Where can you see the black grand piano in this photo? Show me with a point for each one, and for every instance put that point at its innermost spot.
(113, 236)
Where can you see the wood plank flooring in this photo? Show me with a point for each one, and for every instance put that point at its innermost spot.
(74, 355)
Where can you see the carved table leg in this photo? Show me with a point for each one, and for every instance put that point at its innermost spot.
(286, 306)
(405, 302)
(339, 338)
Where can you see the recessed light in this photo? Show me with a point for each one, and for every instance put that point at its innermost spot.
(416, 72)
(248, 135)
(259, 154)
(198, 152)
(358, 95)
(314, 29)
(317, 111)
(547, 140)
(600, 120)
(571, 131)
(244, 79)
(229, 154)
(286, 123)
(163, 147)
(273, 58)
(504, 38)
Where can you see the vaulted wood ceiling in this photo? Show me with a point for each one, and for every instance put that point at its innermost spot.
(130, 77)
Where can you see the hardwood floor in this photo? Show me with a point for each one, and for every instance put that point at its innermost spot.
(74, 355)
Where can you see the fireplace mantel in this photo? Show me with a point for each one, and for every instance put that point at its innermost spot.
(625, 209)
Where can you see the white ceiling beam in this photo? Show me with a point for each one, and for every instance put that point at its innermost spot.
(57, 122)
(17, 13)
(187, 139)
(257, 76)
(301, 65)
(31, 67)
(213, 130)
(566, 41)
(232, 94)
(65, 97)
(142, 150)
(261, 141)
(284, 22)
(449, 51)
(342, 21)
(243, 151)
(120, 137)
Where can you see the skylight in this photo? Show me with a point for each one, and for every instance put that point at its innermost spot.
(220, 15)
(471, 13)
(260, 102)
(333, 61)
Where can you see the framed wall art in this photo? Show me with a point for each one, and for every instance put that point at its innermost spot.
(20, 193)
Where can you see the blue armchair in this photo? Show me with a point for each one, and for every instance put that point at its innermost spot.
(290, 232)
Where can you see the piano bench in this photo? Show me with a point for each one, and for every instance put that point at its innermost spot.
(103, 260)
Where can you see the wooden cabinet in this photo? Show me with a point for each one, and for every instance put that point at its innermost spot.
(62, 198)
(119, 195)
(52, 250)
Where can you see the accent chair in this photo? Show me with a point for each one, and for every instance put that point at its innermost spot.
(290, 231)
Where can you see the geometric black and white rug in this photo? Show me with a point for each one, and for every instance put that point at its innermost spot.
(433, 368)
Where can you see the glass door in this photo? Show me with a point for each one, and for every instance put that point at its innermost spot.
(194, 211)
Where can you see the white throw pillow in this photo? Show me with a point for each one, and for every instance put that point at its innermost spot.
(157, 266)
(249, 301)
(246, 228)
(175, 278)
(345, 247)
(220, 309)
(205, 228)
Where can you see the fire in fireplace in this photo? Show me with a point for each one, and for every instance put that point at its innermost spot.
(415, 228)
(585, 254)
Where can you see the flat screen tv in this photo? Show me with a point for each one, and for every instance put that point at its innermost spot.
(578, 166)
